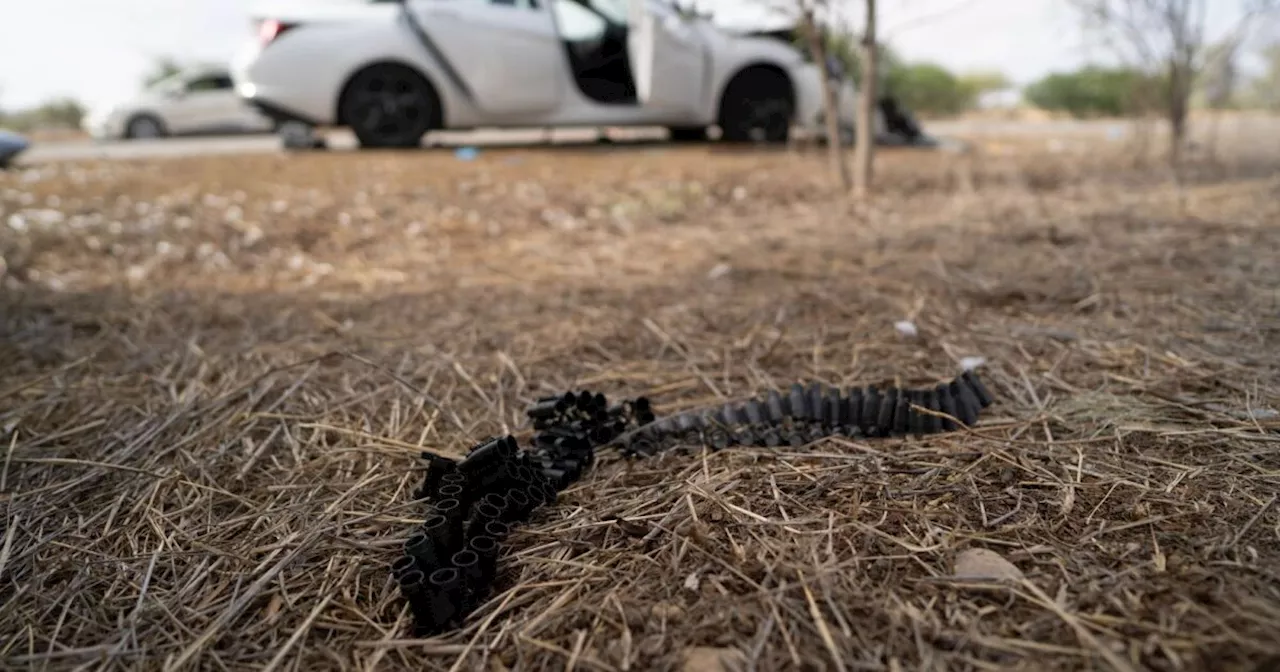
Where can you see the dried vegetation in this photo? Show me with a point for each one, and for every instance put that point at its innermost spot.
(216, 374)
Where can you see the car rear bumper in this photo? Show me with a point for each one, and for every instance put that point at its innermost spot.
(271, 89)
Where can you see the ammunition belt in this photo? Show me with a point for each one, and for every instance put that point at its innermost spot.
(450, 564)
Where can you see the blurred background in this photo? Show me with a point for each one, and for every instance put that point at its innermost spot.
(220, 360)
(63, 60)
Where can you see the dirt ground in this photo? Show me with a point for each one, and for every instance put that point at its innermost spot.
(216, 376)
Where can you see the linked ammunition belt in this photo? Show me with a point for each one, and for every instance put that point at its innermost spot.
(450, 564)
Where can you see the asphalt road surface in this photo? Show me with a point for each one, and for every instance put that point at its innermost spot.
(80, 150)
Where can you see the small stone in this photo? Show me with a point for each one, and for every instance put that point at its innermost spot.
(708, 659)
(719, 271)
(665, 611)
(980, 563)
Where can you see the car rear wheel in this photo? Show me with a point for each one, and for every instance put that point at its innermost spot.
(757, 107)
(389, 106)
(144, 127)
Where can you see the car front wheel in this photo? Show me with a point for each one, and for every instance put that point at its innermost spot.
(389, 106)
(757, 107)
(144, 127)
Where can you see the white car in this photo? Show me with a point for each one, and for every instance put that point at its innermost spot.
(393, 70)
(199, 100)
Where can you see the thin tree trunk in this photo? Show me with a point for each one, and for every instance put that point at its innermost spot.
(1211, 142)
(865, 143)
(1178, 110)
(831, 114)
(1177, 117)
(1181, 72)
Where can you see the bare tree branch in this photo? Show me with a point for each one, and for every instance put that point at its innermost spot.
(1164, 37)
(916, 22)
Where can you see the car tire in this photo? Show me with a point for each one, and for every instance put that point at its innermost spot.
(145, 127)
(389, 106)
(688, 134)
(757, 106)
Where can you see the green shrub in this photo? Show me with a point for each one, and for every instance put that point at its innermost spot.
(929, 89)
(922, 87)
(63, 113)
(1096, 91)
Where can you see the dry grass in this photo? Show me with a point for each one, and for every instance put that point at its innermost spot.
(191, 479)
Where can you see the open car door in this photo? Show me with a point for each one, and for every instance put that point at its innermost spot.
(506, 55)
(668, 58)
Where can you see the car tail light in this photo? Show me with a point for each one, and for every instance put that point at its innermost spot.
(271, 29)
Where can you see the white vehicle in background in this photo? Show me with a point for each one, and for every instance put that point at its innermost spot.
(198, 100)
(393, 70)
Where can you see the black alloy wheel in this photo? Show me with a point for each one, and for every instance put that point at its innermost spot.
(390, 106)
(757, 107)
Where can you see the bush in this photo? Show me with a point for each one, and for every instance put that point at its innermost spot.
(64, 113)
(921, 87)
(1095, 91)
(929, 89)
(977, 83)
(844, 47)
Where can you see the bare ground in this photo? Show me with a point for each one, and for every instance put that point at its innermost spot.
(216, 375)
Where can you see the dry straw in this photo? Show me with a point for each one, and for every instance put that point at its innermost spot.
(192, 479)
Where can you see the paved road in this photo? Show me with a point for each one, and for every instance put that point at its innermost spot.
(343, 140)
(338, 140)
